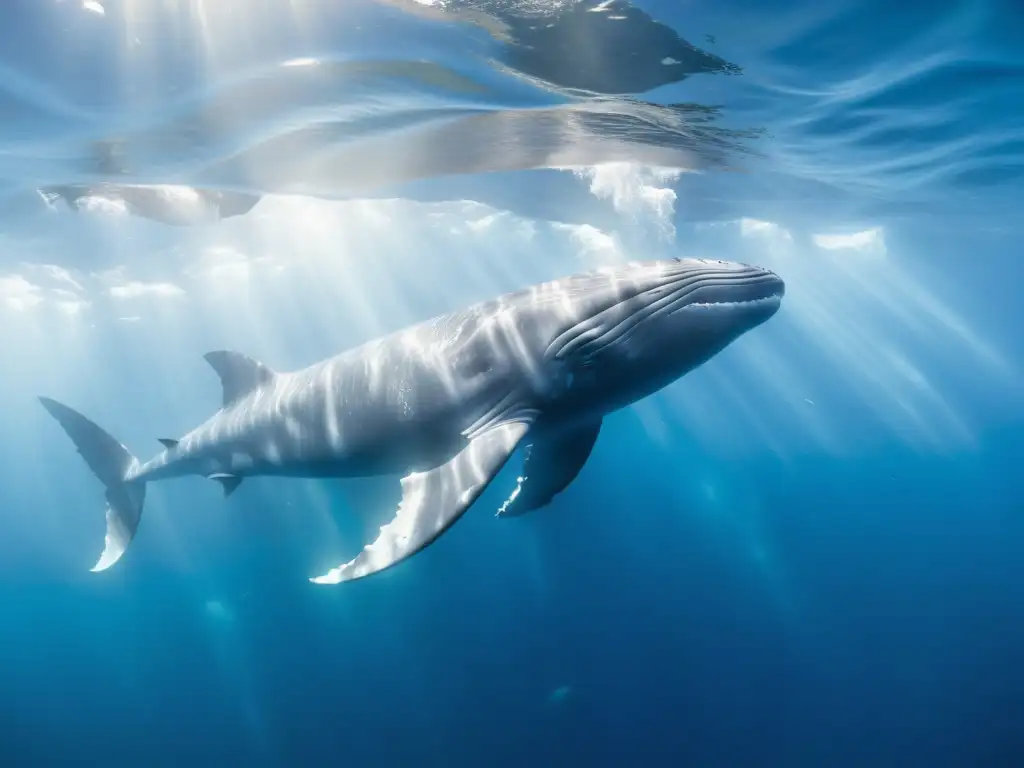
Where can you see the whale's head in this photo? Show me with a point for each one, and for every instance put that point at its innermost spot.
(621, 334)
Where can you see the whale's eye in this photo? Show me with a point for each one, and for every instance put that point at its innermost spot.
(475, 359)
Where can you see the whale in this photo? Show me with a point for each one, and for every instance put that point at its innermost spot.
(443, 405)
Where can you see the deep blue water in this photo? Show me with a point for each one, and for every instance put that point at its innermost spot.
(808, 552)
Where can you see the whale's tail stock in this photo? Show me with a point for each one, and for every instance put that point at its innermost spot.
(111, 462)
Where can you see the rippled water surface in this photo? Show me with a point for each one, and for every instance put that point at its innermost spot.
(807, 552)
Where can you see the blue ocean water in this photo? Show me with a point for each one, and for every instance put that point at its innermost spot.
(808, 552)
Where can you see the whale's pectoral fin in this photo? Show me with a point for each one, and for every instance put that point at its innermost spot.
(239, 375)
(432, 501)
(549, 465)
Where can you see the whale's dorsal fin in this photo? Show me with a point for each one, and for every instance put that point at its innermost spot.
(168, 443)
(549, 465)
(239, 374)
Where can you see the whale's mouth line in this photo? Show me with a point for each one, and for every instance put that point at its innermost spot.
(775, 298)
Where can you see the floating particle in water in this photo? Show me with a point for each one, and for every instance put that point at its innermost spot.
(94, 7)
(216, 610)
(560, 694)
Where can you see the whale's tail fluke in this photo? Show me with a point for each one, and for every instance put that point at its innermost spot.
(110, 462)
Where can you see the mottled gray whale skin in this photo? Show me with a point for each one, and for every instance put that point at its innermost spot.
(445, 403)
